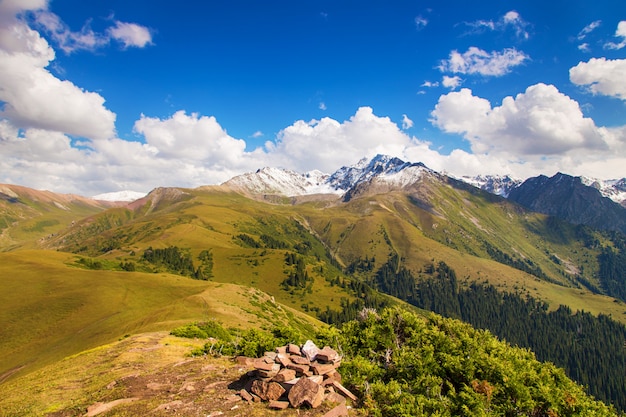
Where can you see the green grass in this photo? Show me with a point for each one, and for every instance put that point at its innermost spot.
(51, 310)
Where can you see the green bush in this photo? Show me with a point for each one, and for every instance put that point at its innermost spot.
(401, 364)
(190, 331)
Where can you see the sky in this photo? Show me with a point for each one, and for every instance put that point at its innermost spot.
(107, 95)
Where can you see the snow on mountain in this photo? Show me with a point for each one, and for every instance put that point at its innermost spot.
(276, 181)
(613, 189)
(495, 184)
(383, 169)
(119, 196)
(347, 177)
(281, 181)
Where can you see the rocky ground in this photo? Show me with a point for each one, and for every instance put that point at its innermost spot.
(153, 375)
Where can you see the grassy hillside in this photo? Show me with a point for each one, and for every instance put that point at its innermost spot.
(129, 269)
(52, 309)
(482, 237)
(27, 215)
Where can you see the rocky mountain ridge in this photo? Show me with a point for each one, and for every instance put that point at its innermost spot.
(385, 169)
(569, 198)
(578, 200)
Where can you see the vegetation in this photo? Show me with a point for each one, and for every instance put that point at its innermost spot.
(123, 272)
(404, 365)
(590, 348)
(612, 262)
(177, 261)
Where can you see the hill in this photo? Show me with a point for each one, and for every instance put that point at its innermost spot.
(27, 215)
(398, 363)
(52, 308)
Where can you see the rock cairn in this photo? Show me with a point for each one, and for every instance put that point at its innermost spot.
(297, 376)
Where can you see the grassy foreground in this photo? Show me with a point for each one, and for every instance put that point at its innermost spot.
(52, 309)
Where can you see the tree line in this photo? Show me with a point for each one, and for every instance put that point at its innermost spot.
(591, 349)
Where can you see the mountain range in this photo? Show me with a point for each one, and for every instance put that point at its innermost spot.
(380, 232)
(579, 200)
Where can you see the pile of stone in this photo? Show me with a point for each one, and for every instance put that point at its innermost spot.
(298, 377)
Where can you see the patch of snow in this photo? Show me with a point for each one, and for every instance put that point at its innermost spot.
(119, 196)
(613, 189)
(495, 184)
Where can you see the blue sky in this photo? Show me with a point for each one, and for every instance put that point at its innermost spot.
(99, 96)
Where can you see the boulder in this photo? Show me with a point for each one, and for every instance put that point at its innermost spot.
(306, 392)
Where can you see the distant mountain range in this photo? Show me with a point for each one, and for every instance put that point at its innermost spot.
(579, 200)
(386, 169)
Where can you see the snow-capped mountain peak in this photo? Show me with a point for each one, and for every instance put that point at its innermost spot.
(276, 181)
(281, 181)
(613, 189)
(495, 184)
(347, 177)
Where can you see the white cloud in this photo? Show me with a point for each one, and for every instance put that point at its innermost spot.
(541, 121)
(420, 22)
(189, 150)
(34, 98)
(430, 84)
(514, 20)
(481, 25)
(619, 33)
(602, 76)
(322, 106)
(191, 138)
(258, 134)
(478, 61)
(588, 29)
(68, 41)
(451, 82)
(510, 20)
(406, 122)
(130, 34)
(327, 144)
(584, 47)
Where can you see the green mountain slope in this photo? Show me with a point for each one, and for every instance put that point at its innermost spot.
(27, 215)
(319, 256)
(52, 309)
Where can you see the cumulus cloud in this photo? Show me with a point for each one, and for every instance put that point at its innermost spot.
(540, 121)
(130, 34)
(601, 76)
(540, 131)
(33, 97)
(327, 144)
(191, 137)
(478, 61)
(451, 82)
(619, 33)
